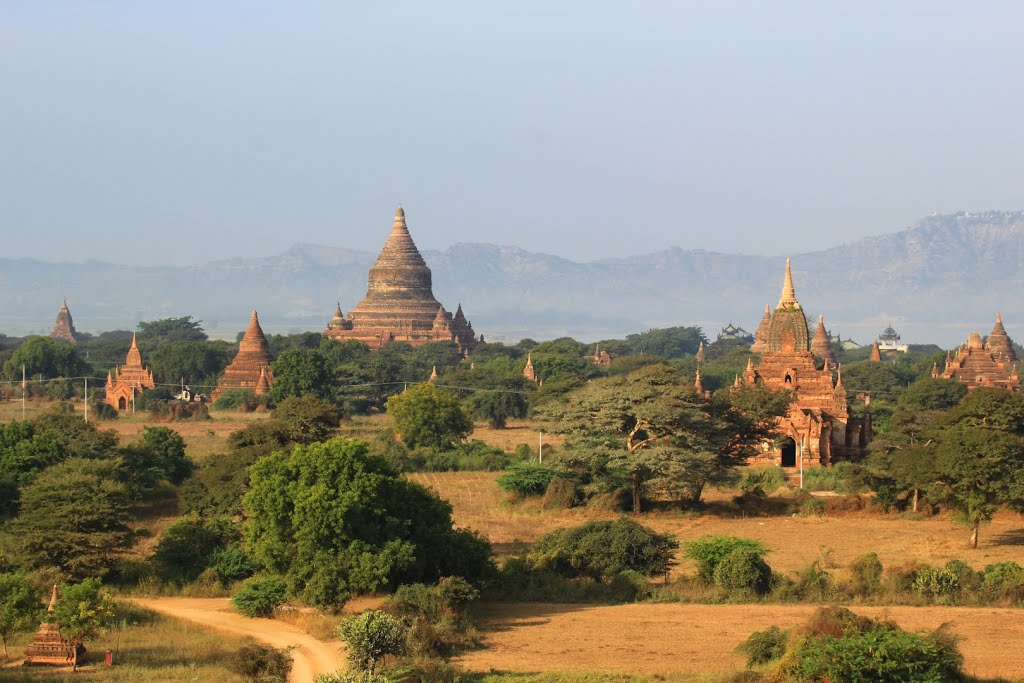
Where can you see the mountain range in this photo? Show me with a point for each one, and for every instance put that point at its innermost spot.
(935, 281)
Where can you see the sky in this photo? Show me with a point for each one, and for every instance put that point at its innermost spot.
(182, 132)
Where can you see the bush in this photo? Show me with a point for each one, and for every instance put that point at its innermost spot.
(743, 570)
(231, 564)
(630, 586)
(840, 646)
(602, 549)
(353, 677)
(709, 551)
(814, 583)
(763, 480)
(560, 495)
(370, 637)
(866, 574)
(526, 479)
(1004, 580)
(185, 549)
(237, 399)
(259, 597)
(764, 646)
(262, 664)
(968, 579)
(937, 583)
(843, 478)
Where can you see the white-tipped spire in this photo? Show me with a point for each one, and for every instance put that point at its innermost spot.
(788, 298)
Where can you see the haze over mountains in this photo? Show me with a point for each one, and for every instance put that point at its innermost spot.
(943, 277)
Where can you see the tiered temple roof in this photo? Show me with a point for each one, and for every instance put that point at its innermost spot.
(730, 331)
(761, 334)
(979, 364)
(529, 372)
(64, 328)
(49, 647)
(251, 367)
(399, 304)
(821, 345)
(819, 417)
(129, 380)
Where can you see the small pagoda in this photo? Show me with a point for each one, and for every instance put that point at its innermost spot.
(49, 648)
(251, 367)
(129, 380)
(64, 328)
(988, 363)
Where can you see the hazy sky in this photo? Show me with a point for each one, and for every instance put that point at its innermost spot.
(181, 132)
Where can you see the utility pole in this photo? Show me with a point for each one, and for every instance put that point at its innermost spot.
(23, 385)
(803, 444)
(540, 447)
(86, 402)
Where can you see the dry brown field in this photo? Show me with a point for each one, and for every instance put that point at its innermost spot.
(794, 541)
(659, 640)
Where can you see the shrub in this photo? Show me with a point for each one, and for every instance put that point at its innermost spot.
(840, 646)
(744, 570)
(237, 399)
(526, 479)
(865, 574)
(1004, 580)
(764, 646)
(262, 663)
(968, 579)
(560, 495)
(370, 637)
(186, 547)
(353, 677)
(259, 597)
(231, 564)
(630, 586)
(763, 480)
(814, 583)
(708, 551)
(937, 583)
(602, 549)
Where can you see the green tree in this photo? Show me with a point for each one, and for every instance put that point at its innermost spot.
(187, 547)
(158, 455)
(301, 372)
(370, 637)
(46, 357)
(74, 517)
(83, 611)
(651, 425)
(18, 606)
(602, 549)
(172, 330)
(426, 416)
(668, 342)
(499, 405)
(308, 419)
(332, 520)
(187, 360)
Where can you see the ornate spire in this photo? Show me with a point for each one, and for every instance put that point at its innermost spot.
(736, 382)
(821, 345)
(53, 599)
(761, 334)
(529, 372)
(700, 352)
(788, 298)
(876, 355)
(999, 344)
(433, 374)
(698, 385)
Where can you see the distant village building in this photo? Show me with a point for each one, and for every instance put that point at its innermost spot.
(991, 363)
(820, 425)
(889, 341)
(251, 367)
(732, 332)
(49, 647)
(399, 304)
(64, 329)
(129, 380)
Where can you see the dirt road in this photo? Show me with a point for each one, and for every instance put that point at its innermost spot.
(662, 639)
(312, 657)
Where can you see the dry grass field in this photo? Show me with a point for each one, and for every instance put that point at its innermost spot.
(153, 648)
(659, 640)
(795, 541)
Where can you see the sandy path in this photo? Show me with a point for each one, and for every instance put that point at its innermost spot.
(312, 657)
(663, 639)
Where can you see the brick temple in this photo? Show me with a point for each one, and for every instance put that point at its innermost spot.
(251, 367)
(49, 647)
(399, 304)
(64, 328)
(820, 424)
(129, 380)
(988, 363)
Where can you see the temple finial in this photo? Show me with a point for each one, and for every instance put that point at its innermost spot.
(788, 298)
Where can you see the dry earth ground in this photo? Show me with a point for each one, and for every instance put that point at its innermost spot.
(312, 657)
(664, 639)
(794, 541)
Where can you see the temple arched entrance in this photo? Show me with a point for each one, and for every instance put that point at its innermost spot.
(122, 403)
(788, 453)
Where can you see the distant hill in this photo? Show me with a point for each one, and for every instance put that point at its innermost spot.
(936, 281)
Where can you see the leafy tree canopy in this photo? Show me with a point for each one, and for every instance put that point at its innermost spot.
(334, 521)
(46, 357)
(172, 329)
(429, 417)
